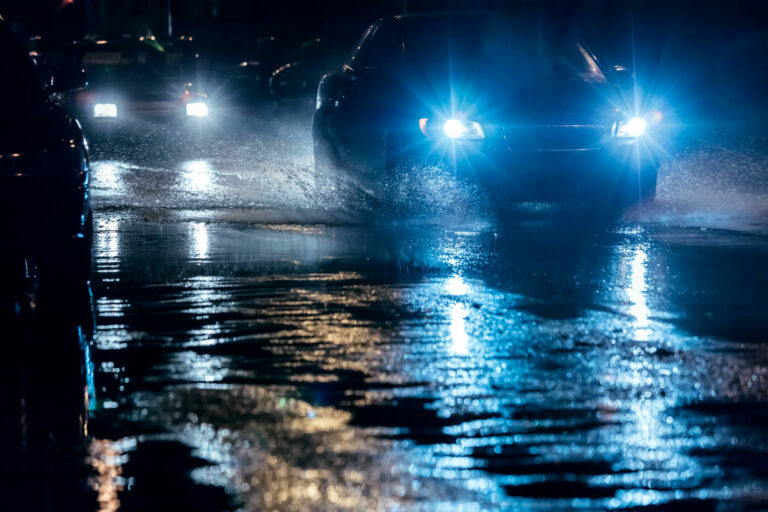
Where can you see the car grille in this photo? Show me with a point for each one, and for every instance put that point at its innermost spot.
(149, 107)
(555, 137)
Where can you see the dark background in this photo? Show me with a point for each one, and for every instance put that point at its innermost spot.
(705, 57)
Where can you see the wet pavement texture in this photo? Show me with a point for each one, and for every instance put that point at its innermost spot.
(252, 340)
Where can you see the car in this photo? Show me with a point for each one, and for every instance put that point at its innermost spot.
(44, 169)
(528, 113)
(244, 82)
(295, 81)
(130, 79)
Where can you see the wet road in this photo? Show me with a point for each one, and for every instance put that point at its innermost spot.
(261, 344)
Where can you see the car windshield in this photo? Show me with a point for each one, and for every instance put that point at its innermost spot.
(499, 46)
(125, 66)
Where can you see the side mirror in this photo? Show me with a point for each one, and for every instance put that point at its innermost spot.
(65, 80)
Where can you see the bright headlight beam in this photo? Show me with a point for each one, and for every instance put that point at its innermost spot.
(631, 128)
(454, 128)
(197, 109)
(636, 126)
(105, 110)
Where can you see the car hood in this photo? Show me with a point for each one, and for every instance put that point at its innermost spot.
(489, 98)
(152, 92)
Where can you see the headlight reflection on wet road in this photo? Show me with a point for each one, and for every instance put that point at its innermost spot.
(107, 459)
(106, 175)
(636, 292)
(458, 329)
(198, 246)
(197, 176)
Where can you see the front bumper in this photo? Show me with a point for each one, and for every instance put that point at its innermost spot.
(138, 111)
(531, 174)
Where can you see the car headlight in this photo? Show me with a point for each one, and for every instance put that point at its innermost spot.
(105, 110)
(197, 109)
(631, 128)
(455, 129)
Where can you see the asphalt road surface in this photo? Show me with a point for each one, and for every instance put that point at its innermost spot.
(255, 338)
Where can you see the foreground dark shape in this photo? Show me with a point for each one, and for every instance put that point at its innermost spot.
(44, 197)
(46, 378)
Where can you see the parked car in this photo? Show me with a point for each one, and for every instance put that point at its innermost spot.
(296, 80)
(529, 113)
(130, 79)
(44, 171)
(245, 82)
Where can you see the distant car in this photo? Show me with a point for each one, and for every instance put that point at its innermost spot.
(297, 79)
(44, 170)
(131, 79)
(246, 81)
(529, 113)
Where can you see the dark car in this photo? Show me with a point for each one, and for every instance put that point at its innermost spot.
(44, 199)
(244, 82)
(296, 80)
(131, 79)
(529, 113)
